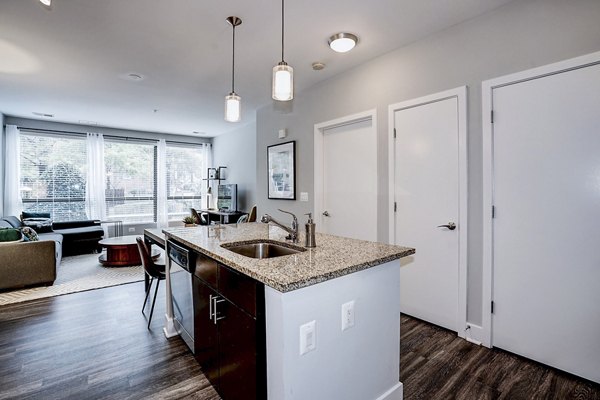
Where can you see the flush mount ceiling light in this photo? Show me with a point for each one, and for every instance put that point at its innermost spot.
(233, 101)
(47, 3)
(342, 42)
(283, 74)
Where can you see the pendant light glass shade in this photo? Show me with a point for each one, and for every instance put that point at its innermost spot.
(233, 102)
(233, 107)
(283, 74)
(283, 82)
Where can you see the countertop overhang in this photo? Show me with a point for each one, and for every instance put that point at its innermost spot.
(333, 257)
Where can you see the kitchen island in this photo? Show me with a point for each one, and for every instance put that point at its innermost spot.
(321, 323)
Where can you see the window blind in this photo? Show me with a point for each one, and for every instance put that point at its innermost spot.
(130, 181)
(53, 175)
(185, 164)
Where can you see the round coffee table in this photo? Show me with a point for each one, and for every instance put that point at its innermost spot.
(122, 251)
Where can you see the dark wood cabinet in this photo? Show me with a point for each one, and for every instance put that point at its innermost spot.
(206, 338)
(229, 327)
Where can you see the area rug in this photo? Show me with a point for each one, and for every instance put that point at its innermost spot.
(77, 274)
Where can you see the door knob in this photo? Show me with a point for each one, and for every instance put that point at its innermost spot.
(450, 225)
(325, 213)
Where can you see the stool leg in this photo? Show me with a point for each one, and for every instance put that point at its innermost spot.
(147, 293)
(153, 302)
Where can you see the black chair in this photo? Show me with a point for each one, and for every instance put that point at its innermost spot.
(153, 270)
(201, 218)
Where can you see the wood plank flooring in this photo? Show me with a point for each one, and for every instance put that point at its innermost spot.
(95, 345)
(437, 364)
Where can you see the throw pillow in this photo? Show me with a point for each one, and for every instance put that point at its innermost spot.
(10, 235)
(29, 235)
(26, 215)
(41, 225)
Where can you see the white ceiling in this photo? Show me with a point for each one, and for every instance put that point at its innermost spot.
(67, 61)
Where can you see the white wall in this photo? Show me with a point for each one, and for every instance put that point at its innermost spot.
(236, 150)
(518, 36)
(1, 164)
(337, 368)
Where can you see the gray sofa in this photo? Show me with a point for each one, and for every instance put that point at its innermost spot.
(25, 264)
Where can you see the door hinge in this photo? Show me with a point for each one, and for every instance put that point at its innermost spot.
(492, 307)
(492, 116)
(394, 133)
(395, 206)
(493, 211)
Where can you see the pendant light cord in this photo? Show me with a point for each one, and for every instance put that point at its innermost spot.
(282, 28)
(233, 63)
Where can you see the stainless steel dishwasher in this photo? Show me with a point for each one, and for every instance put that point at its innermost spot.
(183, 262)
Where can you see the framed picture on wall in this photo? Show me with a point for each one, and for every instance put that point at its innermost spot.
(281, 171)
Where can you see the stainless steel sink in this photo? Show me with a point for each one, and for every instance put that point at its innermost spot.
(262, 249)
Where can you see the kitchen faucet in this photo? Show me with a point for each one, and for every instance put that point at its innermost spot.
(292, 232)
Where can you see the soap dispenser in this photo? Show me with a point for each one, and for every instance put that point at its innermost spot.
(310, 232)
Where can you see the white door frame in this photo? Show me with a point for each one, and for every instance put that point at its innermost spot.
(461, 95)
(487, 88)
(318, 154)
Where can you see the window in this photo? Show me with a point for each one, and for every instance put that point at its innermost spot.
(130, 181)
(53, 175)
(184, 179)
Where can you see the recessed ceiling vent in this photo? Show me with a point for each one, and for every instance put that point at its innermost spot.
(132, 76)
(39, 114)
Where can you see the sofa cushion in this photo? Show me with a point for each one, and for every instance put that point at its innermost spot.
(13, 221)
(41, 225)
(10, 235)
(5, 224)
(82, 232)
(26, 215)
(57, 237)
(75, 224)
(29, 234)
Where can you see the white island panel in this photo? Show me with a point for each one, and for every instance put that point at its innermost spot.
(360, 363)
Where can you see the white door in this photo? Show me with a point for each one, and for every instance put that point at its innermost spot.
(546, 231)
(346, 177)
(427, 190)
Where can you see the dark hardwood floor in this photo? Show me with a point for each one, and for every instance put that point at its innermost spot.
(95, 345)
(437, 364)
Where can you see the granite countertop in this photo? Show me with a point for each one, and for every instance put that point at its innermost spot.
(333, 257)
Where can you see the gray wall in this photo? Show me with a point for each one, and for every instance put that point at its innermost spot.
(518, 36)
(236, 150)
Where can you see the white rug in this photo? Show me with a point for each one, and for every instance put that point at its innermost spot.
(77, 274)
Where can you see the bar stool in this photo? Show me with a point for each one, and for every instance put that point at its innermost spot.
(153, 270)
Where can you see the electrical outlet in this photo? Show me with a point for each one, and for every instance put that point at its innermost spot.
(347, 315)
(308, 337)
(303, 196)
(131, 230)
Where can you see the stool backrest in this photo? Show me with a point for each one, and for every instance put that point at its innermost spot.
(149, 266)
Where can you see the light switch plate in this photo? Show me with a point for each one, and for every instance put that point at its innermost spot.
(303, 196)
(131, 229)
(308, 337)
(282, 133)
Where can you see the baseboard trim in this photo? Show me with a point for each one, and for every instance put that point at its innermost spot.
(396, 392)
(169, 329)
(474, 334)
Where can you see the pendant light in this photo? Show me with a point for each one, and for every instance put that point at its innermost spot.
(233, 101)
(283, 74)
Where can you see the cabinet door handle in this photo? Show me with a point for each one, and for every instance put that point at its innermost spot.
(210, 307)
(216, 300)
